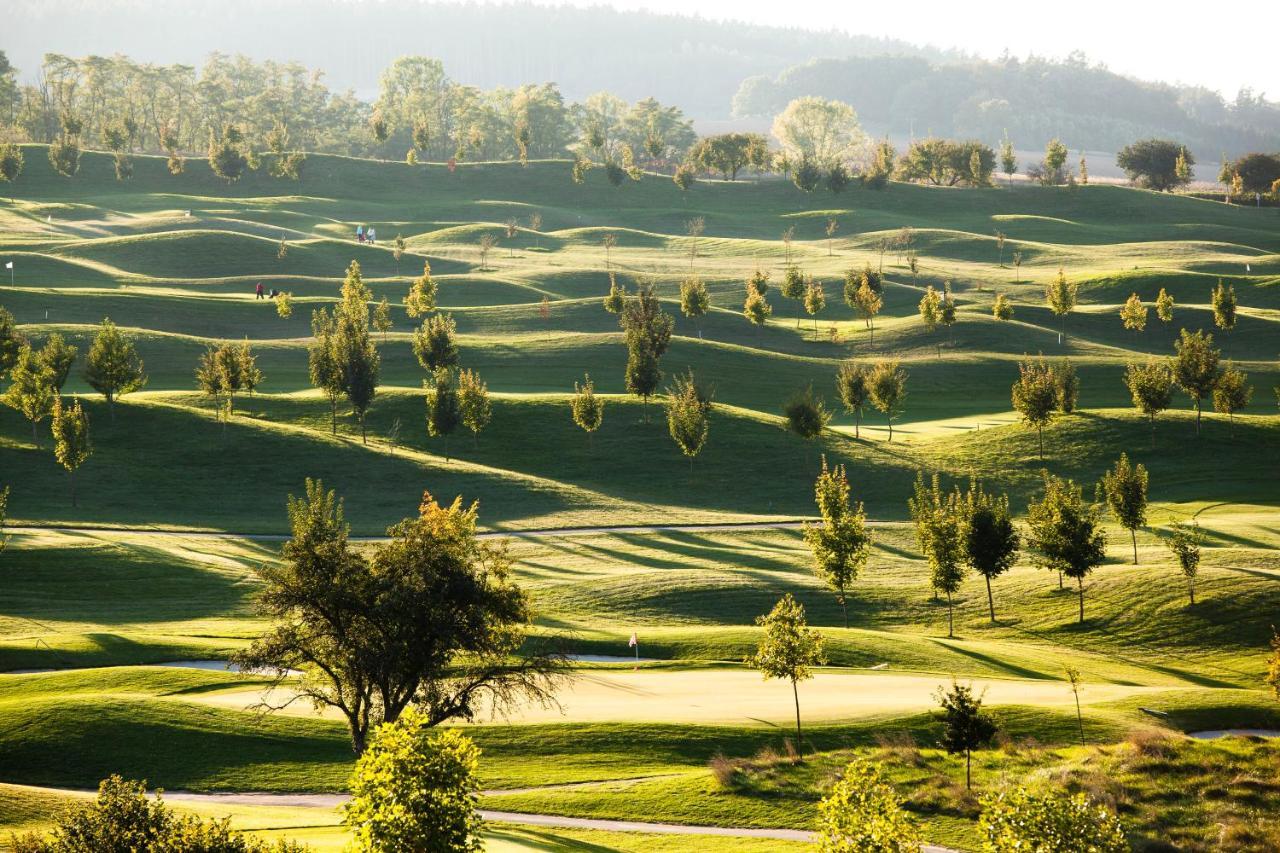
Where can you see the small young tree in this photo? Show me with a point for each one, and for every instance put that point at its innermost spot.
(793, 287)
(1232, 393)
(1017, 266)
(473, 403)
(1000, 238)
(512, 230)
(788, 650)
(1064, 533)
(965, 726)
(867, 302)
(887, 387)
(1060, 295)
(1002, 308)
(759, 282)
(1125, 488)
(284, 305)
(1184, 542)
(322, 362)
(756, 309)
(931, 310)
(1164, 306)
(1133, 314)
(947, 311)
(4, 509)
(1197, 367)
(535, 225)
(647, 333)
(71, 444)
(397, 251)
(862, 813)
(444, 412)
(1035, 395)
(382, 318)
(1151, 386)
(1019, 819)
(113, 367)
(939, 526)
(694, 228)
(688, 415)
(833, 224)
(1008, 160)
(1273, 665)
(805, 414)
(1066, 386)
(814, 301)
(840, 542)
(435, 344)
(851, 385)
(695, 302)
(486, 244)
(58, 356)
(1224, 306)
(990, 539)
(588, 409)
(616, 300)
(609, 240)
(31, 391)
(414, 790)
(422, 293)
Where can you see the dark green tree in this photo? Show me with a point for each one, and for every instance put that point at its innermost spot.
(1035, 395)
(444, 411)
(1125, 488)
(965, 726)
(435, 344)
(851, 385)
(887, 387)
(1197, 367)
(990, 539)
(1064, 533)
(113, 367)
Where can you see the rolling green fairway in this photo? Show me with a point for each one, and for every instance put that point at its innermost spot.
(104, 591)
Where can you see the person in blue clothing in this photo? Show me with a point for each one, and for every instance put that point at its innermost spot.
(359, 233)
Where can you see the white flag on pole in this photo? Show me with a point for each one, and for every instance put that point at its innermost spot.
(9, 265)
(634, 642)
(1248, 268)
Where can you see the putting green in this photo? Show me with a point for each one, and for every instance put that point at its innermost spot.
(743, 697)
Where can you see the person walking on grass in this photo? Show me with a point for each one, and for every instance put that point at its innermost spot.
(359, 233)
(257, 291)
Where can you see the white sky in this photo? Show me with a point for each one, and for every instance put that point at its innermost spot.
(1204, 44)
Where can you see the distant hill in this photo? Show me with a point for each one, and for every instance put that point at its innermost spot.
(1034, 99)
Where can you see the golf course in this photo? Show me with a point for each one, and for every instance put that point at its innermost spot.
(122, 602)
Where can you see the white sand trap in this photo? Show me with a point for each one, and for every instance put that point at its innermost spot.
(608, 659)
(1214, 734)
(742, 697)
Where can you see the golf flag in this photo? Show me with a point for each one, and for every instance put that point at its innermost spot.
(633, 642)
(9, 265)
(1248, 268)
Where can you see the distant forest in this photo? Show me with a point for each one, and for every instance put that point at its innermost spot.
(1034, 99)
(707, 70)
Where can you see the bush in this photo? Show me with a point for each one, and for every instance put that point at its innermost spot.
(862, 814)
(1019, 819)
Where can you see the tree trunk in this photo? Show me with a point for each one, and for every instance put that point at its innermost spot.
(951, 617)
(890, 430)
(1060, 584)
(991, 602)
(1040, 432)
(1197, 417)
(1134, 535)
(72, 474)
(364, 439)
(844, 609)
(1079, 717)
(1191, 590)
(333, 415)
(1080, 586)
(968, 769)
(799, 742)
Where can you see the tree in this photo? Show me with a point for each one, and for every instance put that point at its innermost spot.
(71, 444)
(756, 309)
(1060, 295)
(1164, 306)
(11, 162)
(694, 300)
(1151, 386)
(1224, 306)
(947, 311)
(322, 362)
(759, 282)
(990, 539)
(1000, 238)
(397, 250)
(930, 310)
(726, 153)
(11, 341)
(1232, 393)
(473, 403)
(354, 354)
(1197, 368)
(793, 287)
(422, 293)
(284, 305)
(112, 367)
(647, 332)
(1125, 487)
(486, 243)
(684, 177)
(1017, 265)
(224, 371)
(412, 790)
(694, 228)
(31, 391)
(1055, 158)
(688, 415)
(1064, 533)
(435, 344)
(430, 618)
(444, 411)
(819, 132)
(1184, 542)
(1035, 395)
(382, 318)
(1156, 164)
(788, 649)
(946, 162)
(939, 534)
(535, 225)
(1066, 386)
(4, 509)
(865, 300)
(1134, 314)
(64, 155)
(1256, 172)
(1273, 665)
(1019, 819)
(512, 229)
(887, 386)
(833, 224)
(228, 157)
(588, 409)
(805, 414)
(862, 813)
(1008, 160)
(815, 299)
(965, 726)
(851, 385)
(1002, 308)
(840, 542)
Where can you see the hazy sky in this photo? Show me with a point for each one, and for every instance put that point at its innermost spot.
(1203, 46)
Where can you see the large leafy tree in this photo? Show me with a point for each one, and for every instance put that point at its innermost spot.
(840, 541)
(820, 132)
(990, 539)
(1154, 164)
(430, 618)
(788, 649)
(862, 813)
(1064, 533)
(113, 367)
(415, 789)
(1197, 367)
(726, 153)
